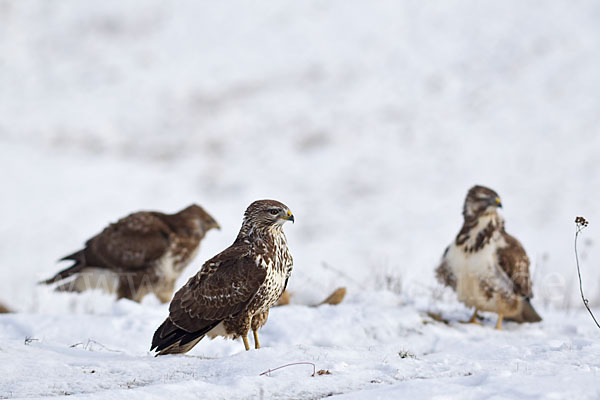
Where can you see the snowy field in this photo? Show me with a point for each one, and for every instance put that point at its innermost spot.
(370, 120)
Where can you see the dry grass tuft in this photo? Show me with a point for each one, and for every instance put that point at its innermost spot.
(336, 297)
(4, 310)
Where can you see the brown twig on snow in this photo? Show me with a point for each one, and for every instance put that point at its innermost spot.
(289, 365)
(581, 224)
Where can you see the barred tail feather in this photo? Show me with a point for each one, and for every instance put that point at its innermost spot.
(526, 314)
(529, 314)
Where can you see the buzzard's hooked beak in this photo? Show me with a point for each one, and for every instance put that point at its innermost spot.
(289, 216)
(497, 202)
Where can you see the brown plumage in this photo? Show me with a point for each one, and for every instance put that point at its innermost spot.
(142, 253)
(233, 291)
(487, 267)
(4, 310)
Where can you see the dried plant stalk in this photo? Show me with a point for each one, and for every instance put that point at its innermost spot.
(581, 224)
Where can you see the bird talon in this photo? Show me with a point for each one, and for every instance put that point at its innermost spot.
(473, 320)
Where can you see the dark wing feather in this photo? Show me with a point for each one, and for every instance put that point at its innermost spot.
(133, 242)
(444, 273)
(514, 262)
(224, 287)
(79, 265)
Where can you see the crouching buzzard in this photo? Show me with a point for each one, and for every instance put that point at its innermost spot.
(488, 268)
(142, 253)
(233, 291)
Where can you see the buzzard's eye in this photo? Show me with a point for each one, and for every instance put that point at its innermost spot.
(274, 211)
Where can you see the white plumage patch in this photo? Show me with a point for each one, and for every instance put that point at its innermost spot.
(167, 267)
(92, 278)
(470, 269)
(219, 330)
(480, 282)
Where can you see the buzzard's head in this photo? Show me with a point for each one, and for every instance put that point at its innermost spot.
(203, 220)
(267, 213)
(480, 201)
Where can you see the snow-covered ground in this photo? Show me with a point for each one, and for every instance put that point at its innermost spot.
(370, 120)
(374, 346)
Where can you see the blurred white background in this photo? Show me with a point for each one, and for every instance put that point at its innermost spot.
(370, 120)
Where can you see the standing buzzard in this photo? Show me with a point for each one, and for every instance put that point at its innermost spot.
(488, 268)
(142, 253)
(233, 291)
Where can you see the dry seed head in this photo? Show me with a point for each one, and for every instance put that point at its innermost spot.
(581, 222)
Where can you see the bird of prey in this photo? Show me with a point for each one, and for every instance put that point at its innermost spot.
(142, 253)
(233, 291)
(487, 267)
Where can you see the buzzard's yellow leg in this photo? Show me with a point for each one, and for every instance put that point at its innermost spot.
(256, 342)
(473, 319)
(246, 345)
(499, 323)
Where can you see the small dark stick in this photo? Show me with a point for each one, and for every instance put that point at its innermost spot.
(582, 223)
(29, 340)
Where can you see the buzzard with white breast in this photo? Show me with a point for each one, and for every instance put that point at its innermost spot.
(142, 253)
(233, 291)
(487, 267)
